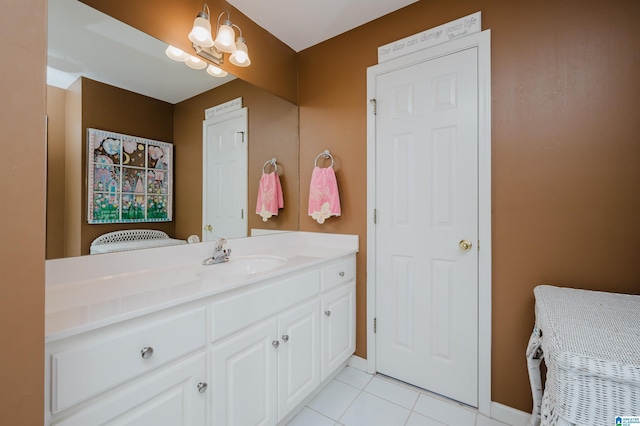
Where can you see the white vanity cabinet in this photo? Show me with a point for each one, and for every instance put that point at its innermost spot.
(272, 365)
(298, 355)
(84, 371)
(171, 397)
(244, 377)
(338, 318)
(247, 355)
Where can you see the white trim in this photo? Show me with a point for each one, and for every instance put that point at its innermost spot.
(357, 362)
(483, 42)
(509, 415)
(461, 27)
(224, 108)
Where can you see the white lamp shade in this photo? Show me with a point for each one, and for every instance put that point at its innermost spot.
(176, 54)
(195, 63)
(224, 39)
(201, 32)
(240, 57)
(214, 71)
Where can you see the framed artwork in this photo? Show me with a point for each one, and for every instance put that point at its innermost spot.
(130, 179)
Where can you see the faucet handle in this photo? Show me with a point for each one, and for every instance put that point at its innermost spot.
(220, 243)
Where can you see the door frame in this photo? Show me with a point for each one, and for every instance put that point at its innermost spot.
(482, 41)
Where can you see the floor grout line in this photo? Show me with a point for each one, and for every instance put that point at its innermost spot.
(419, 391)
(352, 402)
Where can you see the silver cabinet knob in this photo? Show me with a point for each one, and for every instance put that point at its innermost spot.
(285, 337)
(327, 313)
(202, 387)
(275, 344)
(146, 352)
(341, 273)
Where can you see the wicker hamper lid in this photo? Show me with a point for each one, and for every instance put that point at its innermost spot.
(595, 332)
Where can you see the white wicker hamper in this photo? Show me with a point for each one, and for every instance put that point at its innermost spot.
(132, 239)
(590, 342)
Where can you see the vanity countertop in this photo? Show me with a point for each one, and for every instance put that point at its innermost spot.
(89, 292)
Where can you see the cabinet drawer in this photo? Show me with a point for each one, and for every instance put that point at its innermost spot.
(337, 273)
(170, 397)
(111, 359)
(233, 313)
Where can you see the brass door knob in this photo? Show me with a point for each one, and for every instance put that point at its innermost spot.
(465, 245)
(208, 228)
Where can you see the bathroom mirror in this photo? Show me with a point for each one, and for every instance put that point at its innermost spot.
(93, 102)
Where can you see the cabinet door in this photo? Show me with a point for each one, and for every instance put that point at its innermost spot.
(172, 397)
(244, 377)
(338, 326)
(298, 355)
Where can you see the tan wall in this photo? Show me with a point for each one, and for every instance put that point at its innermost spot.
(273, 132)
(22, 217)
(117, 110)
(273, 64)
(73, 181)
(565, 164)
(55, 171)
(90, 104)
(565, 151)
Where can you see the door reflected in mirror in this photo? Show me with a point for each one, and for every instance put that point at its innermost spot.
(224, 176)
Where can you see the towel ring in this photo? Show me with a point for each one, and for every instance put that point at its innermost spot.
(326, 154)
(273, 163)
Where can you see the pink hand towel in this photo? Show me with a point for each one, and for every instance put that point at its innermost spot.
(270, 197)
(324, 200)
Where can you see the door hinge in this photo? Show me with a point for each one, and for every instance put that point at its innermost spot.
(375, 325)
(375, 216)
(375, 105)
(478, 245)
(242, 133)
(241, 213)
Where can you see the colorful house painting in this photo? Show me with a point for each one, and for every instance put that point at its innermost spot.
(130, 178)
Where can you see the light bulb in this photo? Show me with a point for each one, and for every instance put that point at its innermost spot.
(176, 54)
(201, 32)
(225, 37)
(214, 71)
(240, 56)
(195, 63)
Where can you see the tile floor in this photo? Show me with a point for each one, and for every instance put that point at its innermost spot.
(355, 398)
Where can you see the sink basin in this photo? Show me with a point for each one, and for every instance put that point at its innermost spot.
(244, 265)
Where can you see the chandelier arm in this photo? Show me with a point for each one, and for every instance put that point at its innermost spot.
(220, 16)
(239, 29)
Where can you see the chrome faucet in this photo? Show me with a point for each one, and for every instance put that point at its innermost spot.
(220, 254)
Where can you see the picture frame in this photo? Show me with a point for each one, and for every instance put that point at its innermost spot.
(130, 179)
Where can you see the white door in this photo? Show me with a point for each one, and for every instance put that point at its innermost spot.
(298, 355)
(427, 207)
(224, 173)
(244, 374)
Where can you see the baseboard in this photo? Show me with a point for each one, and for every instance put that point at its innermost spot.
(357, 362)
(509, 415)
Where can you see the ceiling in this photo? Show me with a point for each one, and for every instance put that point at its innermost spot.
(85, 42)
(304, 23)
